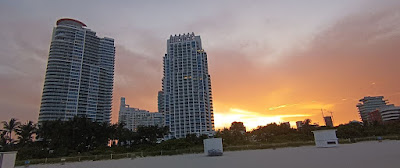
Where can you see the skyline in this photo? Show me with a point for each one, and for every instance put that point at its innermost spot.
(287, 65)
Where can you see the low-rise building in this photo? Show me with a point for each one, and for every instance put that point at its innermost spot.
(134, 117)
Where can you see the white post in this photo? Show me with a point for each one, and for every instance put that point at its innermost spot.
(7, 159)
(62, 161)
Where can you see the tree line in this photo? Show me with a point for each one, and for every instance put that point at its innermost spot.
(76, 136)
(280, 133)
(270, 133)
(81, 136)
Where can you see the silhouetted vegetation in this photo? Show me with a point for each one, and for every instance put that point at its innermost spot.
(282, 133)
(271, 133)
(355, 130)
(82, 137)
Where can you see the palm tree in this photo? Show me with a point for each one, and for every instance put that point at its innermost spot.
(25, 133)
(307, 127)
(3, 138)
(307, 122)
(10, 126)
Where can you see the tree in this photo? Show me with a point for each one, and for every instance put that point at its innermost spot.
(10, 127)
(25, 133)
(3, 138)
(122, 134)
(79, 134)
(235, 135)
(238, 127)
(306, 122)
(350, 130)
(306, 127)
(151, 134)
(193, 139)
(276, 133)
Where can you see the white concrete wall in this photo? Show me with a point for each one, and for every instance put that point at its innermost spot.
(7, 159)
(325, 138)
(213, 144)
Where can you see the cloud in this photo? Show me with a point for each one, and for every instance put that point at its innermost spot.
(293, 61)
(341, 61)
(23, 59)
(137, 78)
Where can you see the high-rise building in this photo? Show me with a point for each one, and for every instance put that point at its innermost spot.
(80, 74)
(134, 117)
(186, 88)
(369, 104)
(375, 117)
(390, 113)
(160, 99)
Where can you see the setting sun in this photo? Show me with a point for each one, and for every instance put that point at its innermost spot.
(251, 119)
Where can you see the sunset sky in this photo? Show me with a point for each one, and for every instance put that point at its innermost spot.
(269, 61)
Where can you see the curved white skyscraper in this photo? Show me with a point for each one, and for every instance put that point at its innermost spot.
(80, 74)
(186, 88)
(369, 104)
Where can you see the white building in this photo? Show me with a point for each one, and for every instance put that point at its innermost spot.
(369, 104)
(186, 88)
(325, 138)
(390, 113)
(80, 74)
(213, 147)
(134, 117)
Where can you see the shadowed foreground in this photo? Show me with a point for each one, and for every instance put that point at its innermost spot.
(363, 154)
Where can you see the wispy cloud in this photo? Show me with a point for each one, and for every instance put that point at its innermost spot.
(282, 106)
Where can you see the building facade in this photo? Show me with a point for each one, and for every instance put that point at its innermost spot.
(134, 117)
(370, 104)
(375, 117)
(80, 74)
(390, 113)
(328, 121)
(186, 88)
(160, 100)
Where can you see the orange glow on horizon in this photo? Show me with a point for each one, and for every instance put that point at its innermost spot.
(251, 120)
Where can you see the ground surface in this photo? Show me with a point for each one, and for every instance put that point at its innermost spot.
(363, 154)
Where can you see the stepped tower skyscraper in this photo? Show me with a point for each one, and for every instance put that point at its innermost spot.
(186, 88)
